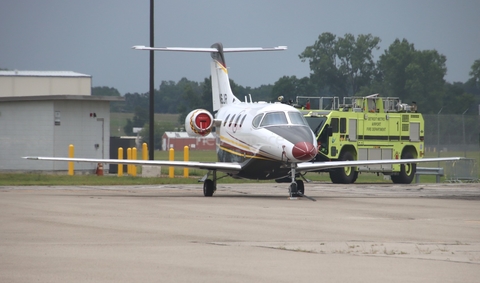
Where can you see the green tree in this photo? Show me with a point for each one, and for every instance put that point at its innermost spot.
(133, 100)
(190, 101)
(473, 84)
(392, 66)
(413, 75)
(140, 117)
(206, 96)
(341, 65)
(456, 100)
(105, 91)
(115, 106)
(475, 71)
(159, 129)
(261, 93)
(291, 87)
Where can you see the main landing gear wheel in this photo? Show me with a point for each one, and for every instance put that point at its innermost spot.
(297, 189)
(300, 188)
(208, 188)
(209, 185)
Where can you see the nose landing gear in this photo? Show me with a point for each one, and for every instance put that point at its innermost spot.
(297, 187)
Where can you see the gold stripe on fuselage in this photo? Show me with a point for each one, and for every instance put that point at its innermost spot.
(242, 147)
(244, 154)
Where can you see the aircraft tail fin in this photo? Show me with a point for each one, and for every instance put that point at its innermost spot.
(221, 91)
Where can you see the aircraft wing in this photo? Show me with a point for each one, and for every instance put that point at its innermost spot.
(229, 167)
(312, 166)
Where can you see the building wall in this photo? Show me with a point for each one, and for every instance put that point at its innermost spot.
(47, 128)
(33, 86)
(26, 128)
(77, 127)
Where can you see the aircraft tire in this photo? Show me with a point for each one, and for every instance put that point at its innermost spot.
(407, 171)
(300, 187)
(208, 188)
(344, 175)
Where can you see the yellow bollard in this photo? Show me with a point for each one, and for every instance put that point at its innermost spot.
(185, 158)
(144, 151)
(129, 157)
(71, 154)
(171, 157)
(120, 166)
(134, 157)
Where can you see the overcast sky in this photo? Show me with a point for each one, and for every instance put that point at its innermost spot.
(95, 36)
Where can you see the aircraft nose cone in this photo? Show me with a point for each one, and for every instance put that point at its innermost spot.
(304, 151)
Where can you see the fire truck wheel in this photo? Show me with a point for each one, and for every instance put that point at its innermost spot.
(407, 171)
(344, 175)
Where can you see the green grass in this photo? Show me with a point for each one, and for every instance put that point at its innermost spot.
(28, 179)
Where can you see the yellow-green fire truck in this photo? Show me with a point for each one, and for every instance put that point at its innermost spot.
(368, 128)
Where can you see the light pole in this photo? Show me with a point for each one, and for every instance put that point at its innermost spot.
(151, 128)
(464, 143)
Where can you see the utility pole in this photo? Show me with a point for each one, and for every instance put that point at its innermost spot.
(151, 130)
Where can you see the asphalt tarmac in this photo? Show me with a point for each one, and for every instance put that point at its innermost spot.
(244, 233)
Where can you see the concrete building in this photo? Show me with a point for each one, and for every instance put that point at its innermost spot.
(42, 113)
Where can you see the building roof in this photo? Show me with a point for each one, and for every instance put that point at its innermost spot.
(68, 74)
(61, 97)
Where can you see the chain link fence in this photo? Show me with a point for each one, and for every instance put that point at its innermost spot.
(454, 135)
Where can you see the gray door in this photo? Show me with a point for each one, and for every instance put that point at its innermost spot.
(352, 129)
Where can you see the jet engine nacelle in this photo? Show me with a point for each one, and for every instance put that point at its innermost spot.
(199, 122)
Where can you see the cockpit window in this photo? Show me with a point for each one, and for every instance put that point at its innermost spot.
(274, 118)
(296, 118)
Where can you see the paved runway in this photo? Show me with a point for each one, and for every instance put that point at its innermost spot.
(244, 233)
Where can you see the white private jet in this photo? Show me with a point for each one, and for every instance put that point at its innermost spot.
(255, 140)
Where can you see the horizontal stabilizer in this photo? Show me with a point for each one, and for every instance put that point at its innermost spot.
(209, 49)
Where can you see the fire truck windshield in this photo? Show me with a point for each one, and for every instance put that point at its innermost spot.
(316, 123)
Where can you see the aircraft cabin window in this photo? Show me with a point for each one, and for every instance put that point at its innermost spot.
(256, 120)
(226, 120)
(296, 118)
(274, 118)
(243, 119)
(236, 121)
(231, 120)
